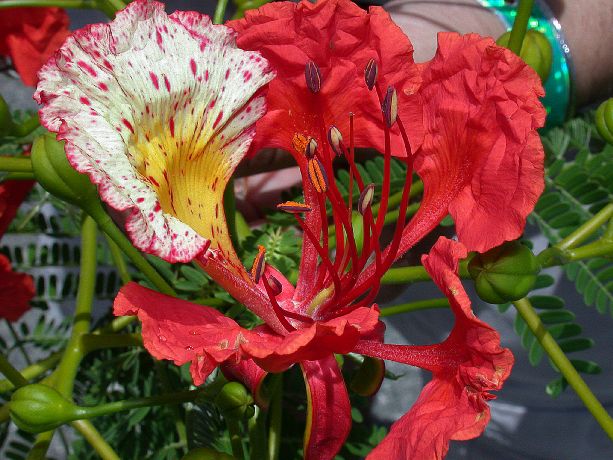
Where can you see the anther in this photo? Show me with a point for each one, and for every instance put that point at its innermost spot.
(275, 285)
(390, 106)
(335, 139)
(257, 269)
(370, 74)
(313, 76)
(293, 207)
(318, 177)
(366, 198)
(311, 148)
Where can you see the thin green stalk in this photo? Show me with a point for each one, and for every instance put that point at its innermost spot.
(33, 371)
(118, 260)
(18, 343)
(92, 342)
(596, 249)
(107, 225)
(520, 25)
(551, 347)
(236, 437)
(162, 373)
(220, 11)
(587, 229)
(38, 3)
(19, 176)
(11, 373)
(16, 163)
(73, 353)
(608, 234)
(95, 439)
(247, 5)
(404, 275)
(117, 324)
(257, 434)
(414, 306)
(41, 445)
(276, 419)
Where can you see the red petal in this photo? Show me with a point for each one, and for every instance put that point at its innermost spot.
(30, 36)
(328, 411)
(340, 38)
(465, 367)
(481, 159)
(12, 194)
(16, 291)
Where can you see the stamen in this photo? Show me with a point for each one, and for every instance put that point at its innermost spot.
(279, 312)
(317, 174)
(257, 269)
(275, 285)
(390, 106)
(311, 149)
(370, 74)
(293, 207)
(335, 139)
(313, 76)
(366, 198)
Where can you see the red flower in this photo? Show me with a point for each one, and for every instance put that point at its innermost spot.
(29, 36)
(16, 289)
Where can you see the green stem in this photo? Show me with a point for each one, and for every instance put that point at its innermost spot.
(33, 371)
(247, 5)
(43, 3)
(118, 324)
(118, 260)
(236, 438)
(596, 249)
(520, 25)
(257, 434)
(40, 447)
(220, 11)
(404, 275)
(73, 353)
(11, 373)
(608, 234)
(551, 347)
(95, 439)
(414, 306)
(18, 343)
(107, 225)
(19, 176)
(16, 163)
(587, 229)
(276, 419)
(162, 373)
(92, 342)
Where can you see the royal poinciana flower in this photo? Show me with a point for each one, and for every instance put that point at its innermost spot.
(158, 110)
(16, 289)
(29, 36)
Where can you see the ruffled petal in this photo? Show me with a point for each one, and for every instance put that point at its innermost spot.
(158, 110)
(16, 291)
(340, 38)
(328, 409)
(481, 159)
(30, 36)
(466, 367)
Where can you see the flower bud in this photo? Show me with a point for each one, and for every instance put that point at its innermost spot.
(366, 197)
(536, 51)
(36, 408)
(604, 120)
(335, 139)
(204, 453)
(6, 119)
(311, 148)
(312, 74)
(234, 401)
(505, 273)
(367, 380)
(370, 74)
(53, 171)
(390, 106)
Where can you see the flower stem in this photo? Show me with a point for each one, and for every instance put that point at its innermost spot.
(18, 343)
(414, 306)
(40, 447)
(220, 11)
(276, 419)
(257, 434)
(118, 260)
(12, 374)
(404, 275)
(587, 229)
(95, 439)
(162, 373)
(525, 309)
(236, 438)
(47, 3)
(19, 176)
(33, 371)
(520, 25)
(92, 342)
(17, 164)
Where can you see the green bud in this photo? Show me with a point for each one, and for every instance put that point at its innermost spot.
(204, 453)
(604, 120)
(53, 171)
(36, 408)
(235, 401)
(536, 51)
(367, 380)
(6, 119)
(505, 273)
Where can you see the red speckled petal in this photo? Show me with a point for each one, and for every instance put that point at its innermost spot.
(158, 110)
(328, 409)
